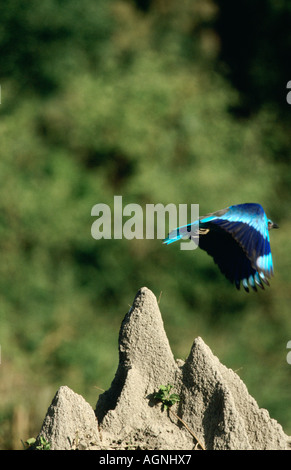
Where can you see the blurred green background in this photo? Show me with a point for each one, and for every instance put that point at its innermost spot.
(158, 101)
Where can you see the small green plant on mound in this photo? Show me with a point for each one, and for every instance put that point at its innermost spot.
(31, 444)
(164, 396)
(168, 400)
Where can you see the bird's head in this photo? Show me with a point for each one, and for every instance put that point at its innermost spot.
(272, 224)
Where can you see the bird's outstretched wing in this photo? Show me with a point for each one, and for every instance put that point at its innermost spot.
(238, 240)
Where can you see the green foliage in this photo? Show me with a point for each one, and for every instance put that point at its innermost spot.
(42, 445)
(29, 443)
(128, 98)
(163, 395)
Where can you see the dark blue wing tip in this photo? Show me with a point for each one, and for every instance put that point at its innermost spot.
(253, 282)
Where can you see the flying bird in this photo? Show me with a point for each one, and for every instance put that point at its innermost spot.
(237, 238)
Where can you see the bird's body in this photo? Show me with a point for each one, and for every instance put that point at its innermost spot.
(237, 238)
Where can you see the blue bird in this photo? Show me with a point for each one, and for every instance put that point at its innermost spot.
(237, 238)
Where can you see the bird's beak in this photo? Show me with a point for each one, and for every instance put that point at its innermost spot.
(275, 225)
